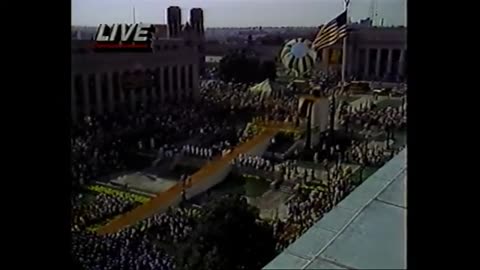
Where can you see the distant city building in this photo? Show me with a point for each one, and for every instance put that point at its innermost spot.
(373, 53)
(196, 20)
(161, 31)
(83, 32)
(366, 22)
(174, 21)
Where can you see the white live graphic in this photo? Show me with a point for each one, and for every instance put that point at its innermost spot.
(123, 33)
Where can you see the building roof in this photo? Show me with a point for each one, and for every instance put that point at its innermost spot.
(367, 230)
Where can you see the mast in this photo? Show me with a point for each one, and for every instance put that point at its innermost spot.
(134, 15)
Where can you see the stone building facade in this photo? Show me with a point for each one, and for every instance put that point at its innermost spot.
(110, 82)
(373, 53)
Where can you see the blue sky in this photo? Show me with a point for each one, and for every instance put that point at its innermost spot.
(239, 13)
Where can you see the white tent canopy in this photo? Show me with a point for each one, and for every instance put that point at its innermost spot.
(264, 88)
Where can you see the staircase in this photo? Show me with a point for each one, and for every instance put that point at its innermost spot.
(172, 196)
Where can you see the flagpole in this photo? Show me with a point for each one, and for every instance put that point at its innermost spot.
(333, 105)
(344, 53)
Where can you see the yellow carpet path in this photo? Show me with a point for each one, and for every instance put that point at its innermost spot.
(166, 198)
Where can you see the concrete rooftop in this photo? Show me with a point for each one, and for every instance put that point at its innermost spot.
(366, 230)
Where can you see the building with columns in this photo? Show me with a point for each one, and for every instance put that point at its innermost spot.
(373, 53)
(110, 82)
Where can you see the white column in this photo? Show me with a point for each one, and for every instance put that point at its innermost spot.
(111, 102)
(188, 90)
(401, 62)
(86, 93)
(356, 62)
(196, 88)
(179, 82)
(170, 83)
(389, 61)
(377, 64)
(160, 84)
(366, 72)
(348, 61)
(152, 92)
(120, 88)
(144, 95)
(326, 58)
(98, 92)
(133, 98)
(73, 99)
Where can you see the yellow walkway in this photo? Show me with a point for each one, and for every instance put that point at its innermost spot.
(164, 199)
(279, 126)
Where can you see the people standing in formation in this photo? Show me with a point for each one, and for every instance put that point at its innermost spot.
(100, 208)
(368, 118)
(238, 98)
(369, 154)
(167, 151)
(294, 173)
(255, 162)
(310, 203)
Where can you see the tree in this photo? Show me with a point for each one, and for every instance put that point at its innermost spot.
(228, 236)
(269, 70)
(244, 66)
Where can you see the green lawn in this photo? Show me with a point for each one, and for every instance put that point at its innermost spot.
(349, 99)
(234, 184)
(388, 103)
(255, 187)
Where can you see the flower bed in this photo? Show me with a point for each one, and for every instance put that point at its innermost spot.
(118, 193)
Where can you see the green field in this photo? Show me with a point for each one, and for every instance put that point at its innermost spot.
(245, 185)
(388, 103)
(255, 187)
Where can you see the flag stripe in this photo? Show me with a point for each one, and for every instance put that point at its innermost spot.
(325, 36)
(331, 33)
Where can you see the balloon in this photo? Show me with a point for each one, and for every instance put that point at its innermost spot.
(298, 56)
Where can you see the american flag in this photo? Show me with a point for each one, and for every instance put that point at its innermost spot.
(331, 32)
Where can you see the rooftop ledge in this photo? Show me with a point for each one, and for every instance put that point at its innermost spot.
(366, 230)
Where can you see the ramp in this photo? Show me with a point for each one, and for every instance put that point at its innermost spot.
(208, 176)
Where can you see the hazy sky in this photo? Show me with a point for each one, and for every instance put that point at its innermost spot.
(240, 13)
